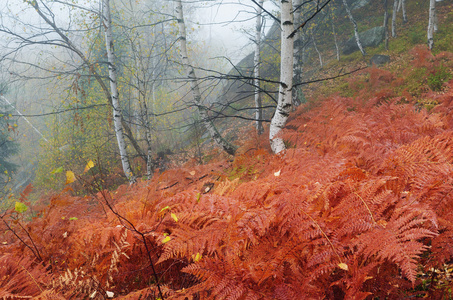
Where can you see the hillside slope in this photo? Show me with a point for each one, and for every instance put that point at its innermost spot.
(359, 207)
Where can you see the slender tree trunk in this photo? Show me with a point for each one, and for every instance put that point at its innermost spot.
(337, 49)
(144, 112)
(286, 78)
(395, 10)
(386, 24)
(297, 64)
(431, 23)
(403, 5)
(257, 63)
(117, 114)
(215, 135)
(356, 30)
(316, 48)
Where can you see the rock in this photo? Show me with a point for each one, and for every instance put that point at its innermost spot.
(356, 4)
(378, 59)
(370, 38)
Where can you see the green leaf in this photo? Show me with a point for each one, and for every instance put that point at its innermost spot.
(57, 170)
(73, 219)
(165, 208)
(20, 207)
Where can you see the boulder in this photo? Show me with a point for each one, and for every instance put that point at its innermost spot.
(370, 38)
(378, 59)
(356, 4)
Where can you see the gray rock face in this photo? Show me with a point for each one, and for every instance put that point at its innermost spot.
(356, 4)
(370, 38)
(378, 59)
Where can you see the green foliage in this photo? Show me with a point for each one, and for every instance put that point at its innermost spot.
(415, 81)
(20, 207)
(437, 78)
(416, 36)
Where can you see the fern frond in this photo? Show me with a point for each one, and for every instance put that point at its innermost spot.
(399, 240)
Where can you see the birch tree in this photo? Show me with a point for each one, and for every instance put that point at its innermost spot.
(403, 7)
(286, 77)
(297, 64)
(117, 115)
(354, 23)
(257, 61)
(194, 86)
(395, 10)
(385, 25)
(431, 23)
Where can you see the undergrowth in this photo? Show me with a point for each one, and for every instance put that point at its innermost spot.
(359, 207)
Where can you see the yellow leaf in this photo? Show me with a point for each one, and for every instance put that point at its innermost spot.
(276, 174)
(166, 239)
(343, 266)
(89, 165)
(197, 257)
(70, 177)
(20, 207)
(174, 217)
(192, 173)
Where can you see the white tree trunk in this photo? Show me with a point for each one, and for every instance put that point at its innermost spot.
(337, 49)
(431, 23)
(286, 78)
(117, 114)
(403, 5)
(395, 9)
(316, 48)
(215, 135)
(297, 64)
(356, 30)
(386, 24)
(257, 62)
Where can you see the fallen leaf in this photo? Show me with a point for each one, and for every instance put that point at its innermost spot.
(89, 165)
(276, 174)
(70, 177)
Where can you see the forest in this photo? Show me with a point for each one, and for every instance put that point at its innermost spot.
(237, 149)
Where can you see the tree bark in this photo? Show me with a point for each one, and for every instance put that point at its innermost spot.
(297, 64)
(386, 24)
(431, 23)
(286, 78)
(403, 5)
(117, 114)
(395, 10)
(316, 49)
(257, 62)
(356, 31)
(193, 80)
(337, 49)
